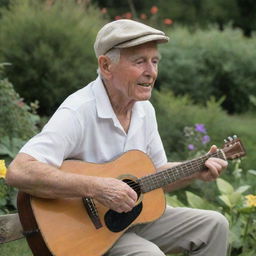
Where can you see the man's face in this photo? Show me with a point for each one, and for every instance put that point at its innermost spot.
(134, 76)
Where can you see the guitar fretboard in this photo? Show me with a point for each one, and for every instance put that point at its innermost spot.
(185, 169)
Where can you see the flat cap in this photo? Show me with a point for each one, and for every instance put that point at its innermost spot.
(126, 33)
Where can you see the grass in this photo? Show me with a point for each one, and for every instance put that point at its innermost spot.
(15, 248)
(20, 248)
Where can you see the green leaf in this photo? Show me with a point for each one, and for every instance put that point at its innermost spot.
(5, 151)
(235, 235)
(235, 198)
(248, 253)
(252, 172)
(242, 189)
(194, 200)
(13, 197)
(174, 201)
(247, 210)
(197, 202)
(224, 187)
(226, 200)
(2, 202)
(10, 147)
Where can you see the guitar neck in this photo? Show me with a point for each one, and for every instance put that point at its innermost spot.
(185, 169)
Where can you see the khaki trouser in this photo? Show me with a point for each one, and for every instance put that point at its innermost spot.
(198, 232)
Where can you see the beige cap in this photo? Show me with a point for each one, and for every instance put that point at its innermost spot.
(126, 33)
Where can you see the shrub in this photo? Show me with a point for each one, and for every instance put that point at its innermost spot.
(176, 113)
(18, 120)
(50, 48)
(210, 63)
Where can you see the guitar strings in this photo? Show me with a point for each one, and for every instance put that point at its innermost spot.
(137, 187)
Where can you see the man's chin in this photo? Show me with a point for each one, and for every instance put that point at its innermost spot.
(144, 97)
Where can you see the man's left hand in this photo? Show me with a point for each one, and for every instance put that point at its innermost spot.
(215, 166)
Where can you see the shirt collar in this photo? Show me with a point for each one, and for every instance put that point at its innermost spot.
(103, 105)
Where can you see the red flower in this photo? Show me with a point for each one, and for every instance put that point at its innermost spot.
(143, 16)
(154, 9)
(168, 21)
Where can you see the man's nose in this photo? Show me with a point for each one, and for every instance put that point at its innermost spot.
(151, 70)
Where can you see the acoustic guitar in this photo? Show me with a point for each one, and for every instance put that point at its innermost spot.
(84, 227)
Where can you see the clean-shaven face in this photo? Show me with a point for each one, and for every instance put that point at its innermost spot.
(134, 76)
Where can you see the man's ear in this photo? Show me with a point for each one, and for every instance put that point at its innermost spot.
(105, 66)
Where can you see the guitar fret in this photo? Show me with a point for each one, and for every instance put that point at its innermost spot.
(162, 178)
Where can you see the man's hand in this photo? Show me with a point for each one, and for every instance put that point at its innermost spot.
(215, 167)
(115, 194)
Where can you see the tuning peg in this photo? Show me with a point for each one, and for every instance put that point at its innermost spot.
(225, 141)
(234, 137)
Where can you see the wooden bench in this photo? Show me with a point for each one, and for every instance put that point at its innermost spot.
(10, 228)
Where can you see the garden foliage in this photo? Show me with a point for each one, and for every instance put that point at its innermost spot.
(236, 202)
(174, 113)
(18, 122)
(17, 119)
(50, 48)
(210, 63)
(200, 13)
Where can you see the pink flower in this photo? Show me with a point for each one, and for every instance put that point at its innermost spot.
(118, 17)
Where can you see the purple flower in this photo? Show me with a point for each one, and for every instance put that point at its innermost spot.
(205, 139)
(200, 128)
(191, 147)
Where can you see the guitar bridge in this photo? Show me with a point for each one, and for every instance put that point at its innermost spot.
(92, 211)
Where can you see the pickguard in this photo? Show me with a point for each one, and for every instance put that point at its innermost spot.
(117, 222)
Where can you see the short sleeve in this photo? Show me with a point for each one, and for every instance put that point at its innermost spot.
(58, 140)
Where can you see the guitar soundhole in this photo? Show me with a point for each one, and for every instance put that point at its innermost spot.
(117, 222)
(134, 185)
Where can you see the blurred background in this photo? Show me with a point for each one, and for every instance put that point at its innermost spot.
(205, 92)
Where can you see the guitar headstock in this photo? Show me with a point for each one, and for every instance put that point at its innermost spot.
(233, 148)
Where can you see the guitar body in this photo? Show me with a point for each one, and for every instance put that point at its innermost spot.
(65, 225)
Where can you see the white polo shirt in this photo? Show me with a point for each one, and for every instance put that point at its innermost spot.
(85, 127)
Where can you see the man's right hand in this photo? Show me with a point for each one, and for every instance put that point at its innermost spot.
(114, 194)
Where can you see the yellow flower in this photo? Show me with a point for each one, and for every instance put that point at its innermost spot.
(2, 169)
(251, 200)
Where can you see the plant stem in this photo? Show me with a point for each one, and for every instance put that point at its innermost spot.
(233, 218)
(246, 230)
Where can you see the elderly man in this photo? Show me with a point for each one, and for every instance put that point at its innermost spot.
(101, 121)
